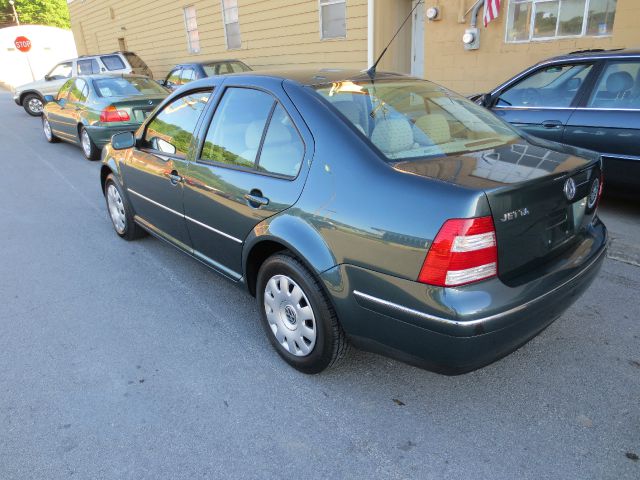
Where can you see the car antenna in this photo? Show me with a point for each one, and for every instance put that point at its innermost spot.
(372, 70)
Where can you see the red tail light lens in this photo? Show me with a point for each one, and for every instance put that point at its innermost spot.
(112, 114)
(464, 251)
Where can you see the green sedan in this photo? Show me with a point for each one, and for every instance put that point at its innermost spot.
(88, 110)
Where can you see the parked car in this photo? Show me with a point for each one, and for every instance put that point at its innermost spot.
(589, 99)
(30, 96)
(188, 72)
(88, 110)
(380, 210)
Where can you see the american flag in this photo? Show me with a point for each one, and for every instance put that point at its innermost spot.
(491, 10)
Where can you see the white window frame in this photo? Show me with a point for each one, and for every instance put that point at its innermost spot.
(225, 23)
(190, 47)
(324, 3)
(583, 33)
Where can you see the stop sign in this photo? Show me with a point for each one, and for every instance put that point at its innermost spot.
(22, 43)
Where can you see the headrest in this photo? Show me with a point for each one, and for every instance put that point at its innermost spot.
(392, 135)
(619, 82)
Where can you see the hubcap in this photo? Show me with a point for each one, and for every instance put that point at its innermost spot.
(47, 129)
(86, 143)
(116, 209)
(35, 105)
(290, 315)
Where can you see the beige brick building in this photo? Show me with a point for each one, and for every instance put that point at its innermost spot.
(350, 33)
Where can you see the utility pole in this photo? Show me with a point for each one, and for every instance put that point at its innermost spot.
(15, 14)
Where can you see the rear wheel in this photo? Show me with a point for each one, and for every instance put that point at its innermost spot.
(46, 128)
(297, 315)
(120, 211)
(33, 104)
(91, 152)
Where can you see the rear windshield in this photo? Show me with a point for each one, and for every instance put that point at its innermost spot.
(125, 87)
(224, 68)
(415, 118)
(134, 60)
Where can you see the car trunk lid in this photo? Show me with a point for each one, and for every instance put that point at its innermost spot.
(538, 197)
(138, 107)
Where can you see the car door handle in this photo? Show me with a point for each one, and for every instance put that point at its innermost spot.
(552, 124)
(174, 178)
(255, 199)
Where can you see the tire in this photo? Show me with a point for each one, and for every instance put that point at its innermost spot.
(91, 152)
(309, 339)
(120, 210)
(33, 104)
(48, 134)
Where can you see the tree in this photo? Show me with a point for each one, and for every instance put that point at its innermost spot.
(37, 12)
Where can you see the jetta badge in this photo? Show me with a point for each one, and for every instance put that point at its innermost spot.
(569, 189)
(521, 212)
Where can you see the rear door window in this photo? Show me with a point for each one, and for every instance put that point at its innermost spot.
(113, 62)
(282, 150)
(88, 66)
(618, 87)
(187, 75)
(79, 91)
(236, 131)
(171, 130)
(552, 86)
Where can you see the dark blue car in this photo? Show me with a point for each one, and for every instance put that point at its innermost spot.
(588, 99)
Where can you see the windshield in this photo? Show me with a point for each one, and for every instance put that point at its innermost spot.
(415, 118)
(126, 87)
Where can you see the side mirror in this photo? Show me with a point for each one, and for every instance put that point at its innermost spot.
(49, 99)
(485, 100)
(123, 140)
(47, 78)
(162, 82)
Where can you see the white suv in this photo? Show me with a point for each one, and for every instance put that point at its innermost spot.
(31, 95)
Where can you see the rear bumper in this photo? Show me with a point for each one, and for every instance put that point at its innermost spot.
(455, 330)
(101, 135)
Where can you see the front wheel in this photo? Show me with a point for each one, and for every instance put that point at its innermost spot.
(33, 104)
(297, 315)
(91, 152)
(48, 133)
(120, 211)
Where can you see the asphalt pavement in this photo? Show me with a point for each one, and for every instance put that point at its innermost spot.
(129, 360)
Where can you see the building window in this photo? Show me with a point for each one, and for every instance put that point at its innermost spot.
(333, 19)
(191, 26)
(231, 24)
(531, 20)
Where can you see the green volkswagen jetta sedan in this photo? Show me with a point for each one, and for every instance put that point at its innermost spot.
(377, 210)
(88, 110)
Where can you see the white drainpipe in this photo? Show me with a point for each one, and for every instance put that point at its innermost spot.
(370, 26)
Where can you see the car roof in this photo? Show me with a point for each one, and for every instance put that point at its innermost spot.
(206, 62)
(317, 77)
(596, 53)
(98, 76)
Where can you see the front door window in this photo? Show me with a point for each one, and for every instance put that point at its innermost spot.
(554, 86)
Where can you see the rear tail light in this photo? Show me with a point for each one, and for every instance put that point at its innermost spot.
(464, 251)
(112, 114)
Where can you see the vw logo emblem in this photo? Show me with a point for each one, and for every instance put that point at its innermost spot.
(569, 189)
(291, 314)
(150, 102)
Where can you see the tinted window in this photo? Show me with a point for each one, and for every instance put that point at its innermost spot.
(174, 77)
(88, 66)
(62, 70)
(113, 62)
(618, 87)
(127, 86)
(64, 90)
(238, 67)
(554, 86)
(171, 131)
(187, 75)
(236, 130)
(282, 150)
(415, 118)
(79, 91)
